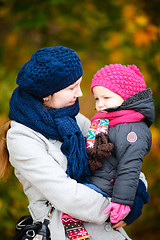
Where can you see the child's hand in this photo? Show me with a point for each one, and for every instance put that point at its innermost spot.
(94, 164)
(117, 211)
(119, 225)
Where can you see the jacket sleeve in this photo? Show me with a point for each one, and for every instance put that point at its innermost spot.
(141, 198)
(29, 156)
(132, 143)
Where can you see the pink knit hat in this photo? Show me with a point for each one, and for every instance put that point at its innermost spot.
(123, 80)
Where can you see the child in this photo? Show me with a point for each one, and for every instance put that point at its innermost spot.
(125, 113)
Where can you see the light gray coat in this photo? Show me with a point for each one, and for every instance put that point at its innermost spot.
(40, 166)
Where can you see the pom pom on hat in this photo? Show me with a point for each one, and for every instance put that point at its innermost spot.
(50, 70)
(123, 80)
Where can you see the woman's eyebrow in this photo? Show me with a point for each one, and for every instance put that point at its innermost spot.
(74, 84)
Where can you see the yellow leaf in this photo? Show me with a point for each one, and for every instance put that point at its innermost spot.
(141, 20)
(155, 134)
(144, 37)
(141, 38)
(114, 40)
(152, 31)
(129, 11)
(116, 56)
(155, 142)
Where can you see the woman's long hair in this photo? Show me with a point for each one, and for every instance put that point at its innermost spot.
(4, 155)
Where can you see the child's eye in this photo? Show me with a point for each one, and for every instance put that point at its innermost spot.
(106, 97)
(96, 99)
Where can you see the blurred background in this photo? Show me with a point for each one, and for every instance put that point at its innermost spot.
(101, 32)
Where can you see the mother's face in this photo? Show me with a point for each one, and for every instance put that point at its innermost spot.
(64, 97)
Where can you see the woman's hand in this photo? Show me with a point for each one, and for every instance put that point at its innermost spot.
(119, 224)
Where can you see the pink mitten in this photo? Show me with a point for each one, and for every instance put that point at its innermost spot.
(118, 211)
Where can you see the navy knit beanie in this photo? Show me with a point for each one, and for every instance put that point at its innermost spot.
(50, 70)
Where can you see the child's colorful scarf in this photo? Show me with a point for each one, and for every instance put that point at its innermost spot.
(103, 120)
(97, 126)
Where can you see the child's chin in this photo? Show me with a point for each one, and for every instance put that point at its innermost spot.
(103, 111)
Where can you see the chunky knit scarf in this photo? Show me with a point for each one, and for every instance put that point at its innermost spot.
(123, 116)
(97, 126)
(102, 120)
(59, 124)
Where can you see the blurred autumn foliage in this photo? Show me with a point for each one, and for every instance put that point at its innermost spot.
(102, 32)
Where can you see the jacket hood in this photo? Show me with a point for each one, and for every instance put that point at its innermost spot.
(141, 102)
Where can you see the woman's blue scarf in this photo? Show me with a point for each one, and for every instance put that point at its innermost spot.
(59, 124)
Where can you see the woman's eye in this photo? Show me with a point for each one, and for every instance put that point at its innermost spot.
(72, 88)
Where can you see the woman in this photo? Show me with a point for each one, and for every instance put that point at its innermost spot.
(46, 146)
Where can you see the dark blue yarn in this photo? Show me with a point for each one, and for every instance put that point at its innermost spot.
(142, 197)
(50, 70)
(59, 124)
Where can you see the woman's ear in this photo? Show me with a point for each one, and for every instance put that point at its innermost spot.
(46, 99)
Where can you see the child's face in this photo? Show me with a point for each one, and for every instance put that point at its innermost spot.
(105, 98)
(64, 97)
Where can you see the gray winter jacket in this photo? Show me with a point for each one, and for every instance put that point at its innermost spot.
(119, 175)
(41, 168)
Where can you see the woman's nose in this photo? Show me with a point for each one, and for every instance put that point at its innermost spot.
(78, 92)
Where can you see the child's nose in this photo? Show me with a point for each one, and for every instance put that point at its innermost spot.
(101, 103)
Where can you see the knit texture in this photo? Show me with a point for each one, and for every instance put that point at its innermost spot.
(59, 124)
(142, 197)
(117, 117)
(98, 145)
(50, 70)
(98, 126)
(74, 228)
(120, 79)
